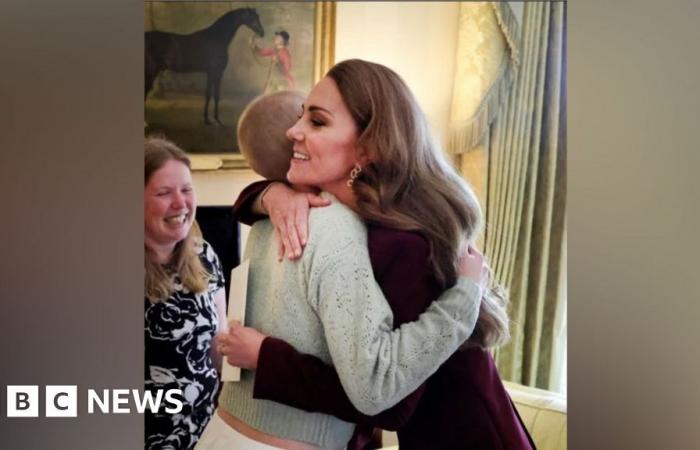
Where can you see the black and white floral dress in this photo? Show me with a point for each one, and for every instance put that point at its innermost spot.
(178, 336)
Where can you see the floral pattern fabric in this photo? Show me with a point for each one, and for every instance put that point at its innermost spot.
(178, 335)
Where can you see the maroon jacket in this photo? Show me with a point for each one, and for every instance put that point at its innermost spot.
(462, 406)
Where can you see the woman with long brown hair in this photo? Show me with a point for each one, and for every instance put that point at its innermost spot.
(419, 212)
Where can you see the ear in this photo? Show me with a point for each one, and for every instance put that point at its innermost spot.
(362, 157)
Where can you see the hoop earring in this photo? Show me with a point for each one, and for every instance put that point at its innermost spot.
(354, 173)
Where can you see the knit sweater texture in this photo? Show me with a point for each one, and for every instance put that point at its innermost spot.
(328, 304)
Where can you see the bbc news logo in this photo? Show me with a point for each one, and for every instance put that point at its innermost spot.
(62, 401)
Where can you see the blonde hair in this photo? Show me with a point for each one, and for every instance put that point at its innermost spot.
(408, 184)
(262, 129)
(158, 283)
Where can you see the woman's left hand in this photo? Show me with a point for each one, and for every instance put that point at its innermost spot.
(241, 345)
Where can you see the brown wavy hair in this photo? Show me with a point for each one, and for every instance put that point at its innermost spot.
(158, 282)
(409, 185)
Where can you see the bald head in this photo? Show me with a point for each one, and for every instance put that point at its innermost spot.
(262, 130)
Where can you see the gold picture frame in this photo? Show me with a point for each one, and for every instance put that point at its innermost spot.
(172, 98)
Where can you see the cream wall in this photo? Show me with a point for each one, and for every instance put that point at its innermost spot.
(416, 39)
(221, 187)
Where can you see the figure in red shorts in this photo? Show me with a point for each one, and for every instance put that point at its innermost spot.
(280, 57)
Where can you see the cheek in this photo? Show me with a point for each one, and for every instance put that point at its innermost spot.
(152, 223)
(153, 210)
(192, 203)
(336, 148)
(343, 156)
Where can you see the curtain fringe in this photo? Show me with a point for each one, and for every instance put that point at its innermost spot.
(511, 30)
(465, 135)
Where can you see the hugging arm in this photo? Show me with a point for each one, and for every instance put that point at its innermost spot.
(244, 208)
(378, 366)
(304, 381)
(287, 209)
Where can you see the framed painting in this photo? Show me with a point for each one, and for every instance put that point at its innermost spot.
(205, 61)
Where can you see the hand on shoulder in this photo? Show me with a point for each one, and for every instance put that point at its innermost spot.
(289, 214)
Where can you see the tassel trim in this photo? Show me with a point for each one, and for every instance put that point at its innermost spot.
(464, 136)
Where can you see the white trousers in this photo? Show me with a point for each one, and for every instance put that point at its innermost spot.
(218, 435)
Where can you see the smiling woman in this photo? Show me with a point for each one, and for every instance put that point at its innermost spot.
(168, 208)
(184, 300)
(325, 144)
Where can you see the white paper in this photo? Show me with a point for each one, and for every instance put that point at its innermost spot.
(236, 311)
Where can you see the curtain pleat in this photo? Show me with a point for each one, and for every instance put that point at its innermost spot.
(525, 198)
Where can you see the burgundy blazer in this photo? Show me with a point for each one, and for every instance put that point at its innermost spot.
(464, 405)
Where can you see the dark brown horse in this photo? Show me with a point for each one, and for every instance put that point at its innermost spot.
(205, 51)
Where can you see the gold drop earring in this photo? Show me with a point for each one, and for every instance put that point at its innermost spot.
(354, 173)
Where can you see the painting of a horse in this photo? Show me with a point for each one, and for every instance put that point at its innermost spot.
(205, 50)
(202, 68)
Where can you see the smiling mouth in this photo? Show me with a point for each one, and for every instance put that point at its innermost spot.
(178, 219)
(300, 156)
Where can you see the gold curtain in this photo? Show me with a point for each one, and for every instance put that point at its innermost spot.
(519, 169)
(487, 55)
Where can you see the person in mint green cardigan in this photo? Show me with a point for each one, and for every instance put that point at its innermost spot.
(328, 304)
